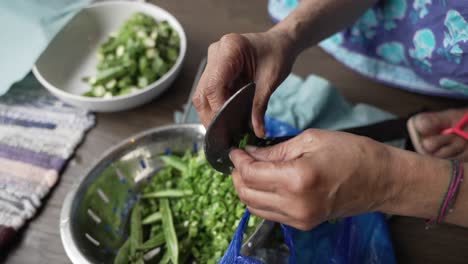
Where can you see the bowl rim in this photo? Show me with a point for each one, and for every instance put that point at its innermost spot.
(68, 242)
(174, 69)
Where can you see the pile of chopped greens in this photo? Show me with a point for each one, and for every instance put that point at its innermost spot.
(188, 211)
(141, 52)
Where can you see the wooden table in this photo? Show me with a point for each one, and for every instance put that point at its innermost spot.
(206, 21)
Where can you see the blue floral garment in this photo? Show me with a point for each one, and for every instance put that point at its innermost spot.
(418, 45)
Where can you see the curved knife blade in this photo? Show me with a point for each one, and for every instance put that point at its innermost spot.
(227, 127)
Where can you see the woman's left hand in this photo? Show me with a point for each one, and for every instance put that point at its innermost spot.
(316, 176)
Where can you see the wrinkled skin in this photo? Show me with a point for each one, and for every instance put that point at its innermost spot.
(265, 58)
(311, 178)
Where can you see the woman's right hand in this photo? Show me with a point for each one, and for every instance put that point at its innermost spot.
(264, 58)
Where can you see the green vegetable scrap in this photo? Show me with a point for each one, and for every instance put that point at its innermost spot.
(140, 53)
(190, 212)
(244, 141)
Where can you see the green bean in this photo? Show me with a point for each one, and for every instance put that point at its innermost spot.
(207, 217)
(166, 258)
(153, 218)
(123, 254)
(155, 241)
(184, 247)
(159, 239)
(169, 231)
(168, 194)
(136, 230)
(175, 162)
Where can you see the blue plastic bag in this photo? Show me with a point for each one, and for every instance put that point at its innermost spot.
(362, 239)
(233, 256)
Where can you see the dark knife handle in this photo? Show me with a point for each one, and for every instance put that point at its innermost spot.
(265, 142)
(383, 131)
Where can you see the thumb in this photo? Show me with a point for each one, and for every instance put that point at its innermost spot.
(283, 151)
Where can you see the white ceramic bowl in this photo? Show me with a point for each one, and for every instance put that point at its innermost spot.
(72, 55)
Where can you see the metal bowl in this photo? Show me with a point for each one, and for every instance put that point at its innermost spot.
(94, 214)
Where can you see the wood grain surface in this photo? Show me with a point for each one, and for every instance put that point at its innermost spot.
(206, 21)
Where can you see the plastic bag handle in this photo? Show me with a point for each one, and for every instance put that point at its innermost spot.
(233, 256)
(288, 239)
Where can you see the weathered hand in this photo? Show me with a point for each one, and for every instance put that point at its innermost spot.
(316, 176)
(265, 58)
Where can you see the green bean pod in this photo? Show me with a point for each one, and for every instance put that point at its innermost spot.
(152, 218)
(168, 194)
(169, 231)
(123, 254)
(136, 231)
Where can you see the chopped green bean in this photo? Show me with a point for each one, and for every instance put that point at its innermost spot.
(141, 52)
(99, 91)
(244, 141)
(89, 94)
(110, 73)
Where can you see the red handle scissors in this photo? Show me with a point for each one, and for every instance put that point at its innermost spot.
(458, 128)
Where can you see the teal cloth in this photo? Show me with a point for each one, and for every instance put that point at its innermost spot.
(312, 103)
(316, 103)
(27, 27)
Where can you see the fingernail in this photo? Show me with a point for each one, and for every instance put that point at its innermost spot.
(230, 153)
(250, 148)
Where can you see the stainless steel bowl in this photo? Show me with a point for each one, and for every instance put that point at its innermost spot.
(94, 214)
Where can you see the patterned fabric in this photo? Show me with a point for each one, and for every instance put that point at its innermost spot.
(418, 45)
(38, 134)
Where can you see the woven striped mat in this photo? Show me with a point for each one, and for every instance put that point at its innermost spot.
(38, 134)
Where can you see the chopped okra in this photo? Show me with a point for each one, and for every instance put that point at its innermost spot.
(140, 53)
